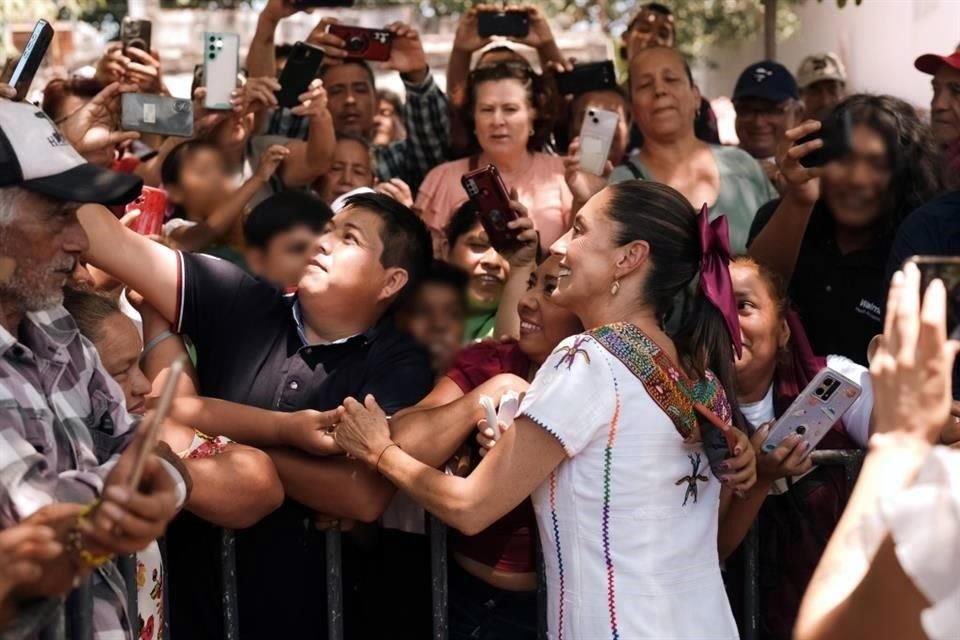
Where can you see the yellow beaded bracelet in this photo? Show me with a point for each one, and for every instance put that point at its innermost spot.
(82, 556)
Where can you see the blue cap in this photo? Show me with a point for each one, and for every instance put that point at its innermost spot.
(767, 80)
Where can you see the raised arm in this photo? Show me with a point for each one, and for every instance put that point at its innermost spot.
(261, 57)
(142, 264)
(466, 42)
(777, 245)
(311, 159)
(523, 262)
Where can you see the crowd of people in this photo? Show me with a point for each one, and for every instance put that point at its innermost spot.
(344, 310)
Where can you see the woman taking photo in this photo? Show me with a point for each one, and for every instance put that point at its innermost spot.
(830, 235)
(798, 504)
(665, 104)
(626, 504)
(507, 115)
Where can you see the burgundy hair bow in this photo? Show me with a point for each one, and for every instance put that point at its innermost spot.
(715, 279)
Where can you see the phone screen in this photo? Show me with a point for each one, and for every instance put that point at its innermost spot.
(946, 269)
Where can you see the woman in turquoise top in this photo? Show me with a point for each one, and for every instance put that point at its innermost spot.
(665, 102)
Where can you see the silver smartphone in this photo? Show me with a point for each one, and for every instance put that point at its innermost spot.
(163, 115)
(818, 407)
(596, 137)
(221, 62)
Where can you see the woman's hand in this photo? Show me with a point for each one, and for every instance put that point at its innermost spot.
(406, 52)
(487, 436)
(799, 182)
(256, 94)
(582, 185)
(524, 253)
(911, 370)
(790, 459)
(539, 34)
(467, 39)
(143, 69)
(92, 129)
(313, 101)
(270, 160)
(8, 92)
(334, 48)
(397, 189)
(112, 66)
(740, 469)
(363, 431)
(311, 431)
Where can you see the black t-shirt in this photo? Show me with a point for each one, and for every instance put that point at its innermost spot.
(931, 230)
(839, 297)
(250, 351)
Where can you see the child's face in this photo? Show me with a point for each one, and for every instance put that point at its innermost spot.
(285, 257)
(435, 319)
(204, 182)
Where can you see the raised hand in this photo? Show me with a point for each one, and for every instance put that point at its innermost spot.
(313, 101)
(790, 459)
(143, 69)
(256, 94)
(911, 369)
(270, 160)
(524, 252)
(540, 33)
(797, 181)
(112, 66)
(396, 189)
(583, 185)
(8, 92)
(406, 52)
(334, 48)
(311, 431)
(467, 38)
(277, 10)
(92, 129)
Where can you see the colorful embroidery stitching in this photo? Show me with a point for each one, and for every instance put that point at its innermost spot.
(669, 387)
(570, 353)
(692, 479)
(556, 537)
(607, 468)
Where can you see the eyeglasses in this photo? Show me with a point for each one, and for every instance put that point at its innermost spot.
(767, 110)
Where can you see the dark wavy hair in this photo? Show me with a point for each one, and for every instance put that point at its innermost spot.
(910, 151)
(537, 97)
(662, 216)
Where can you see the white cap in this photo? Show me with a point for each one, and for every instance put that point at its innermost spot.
(341, 202)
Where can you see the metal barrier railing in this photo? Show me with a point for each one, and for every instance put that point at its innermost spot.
(74, 621)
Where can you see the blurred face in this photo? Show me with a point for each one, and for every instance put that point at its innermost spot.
(608, 101)
(351, 99)
(352, 168)
(345, 272)
(119, 349)
(945, 106)
(285, 258)
(488, 270)
(503, 117)
(761, 124)
(664, 101)
(383, 122)
(435, 319)
(544, 324)
(763, 331)
(820, 98)
(204, 182)
(233, 133)
(857, 187)
(649, 29)
(45, 240)
(585, 251)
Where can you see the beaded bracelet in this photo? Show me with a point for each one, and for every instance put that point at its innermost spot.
(83, 556)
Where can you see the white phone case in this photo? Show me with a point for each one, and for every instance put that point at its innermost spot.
(596, 136)
(818, 407)
(221, 61)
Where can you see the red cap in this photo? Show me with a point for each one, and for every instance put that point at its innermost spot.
(929, 63)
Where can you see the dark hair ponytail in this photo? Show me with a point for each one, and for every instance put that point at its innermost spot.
(664, 218)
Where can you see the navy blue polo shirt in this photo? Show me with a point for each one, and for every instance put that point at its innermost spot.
(251, 349)
(839, 296)
(931, 230)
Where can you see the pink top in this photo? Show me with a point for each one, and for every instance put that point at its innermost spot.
(542, 190)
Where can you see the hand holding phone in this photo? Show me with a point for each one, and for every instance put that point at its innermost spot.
(947, 270)
(591, 76)
(26, 68)
(512, 24)
(364, 44)
(135, 34)
(488, 193)
(596, 137)
(150, 113)
(835, 132)
(301, 69)
(221, 63)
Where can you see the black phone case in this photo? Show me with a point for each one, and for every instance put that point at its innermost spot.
(301, 69)
(592, 76)
(514, 24)
(136, 34)
(26, 68)
(835, 132)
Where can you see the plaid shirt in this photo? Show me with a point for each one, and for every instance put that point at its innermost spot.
(63, 423)
(427, 121)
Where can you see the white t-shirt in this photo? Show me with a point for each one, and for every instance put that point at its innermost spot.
(628, 522)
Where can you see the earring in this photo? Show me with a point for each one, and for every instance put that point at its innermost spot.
(615, 288)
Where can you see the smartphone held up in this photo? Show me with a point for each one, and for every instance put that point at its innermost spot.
(29, 62)
(489, 194)
(947, 270)
(364, 44)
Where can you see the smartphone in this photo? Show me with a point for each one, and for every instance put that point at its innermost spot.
(818, 407)
(718, 437)
(155, 422)
(221, 62)
(835, 131)
(515, 24)
(946, 269)
(301, 69)
(135, 34)
(151, 113)
(591, 76)
(364, 44)
(596, 136)
(30, 59)
(152, 203)
(488, 193)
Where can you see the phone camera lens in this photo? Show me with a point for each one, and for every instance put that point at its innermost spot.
(595, 121)
(591, 112)
(819, 391)
(212, 48)
(828, 382)
(213, 56)
(802, 429)
(495, 215)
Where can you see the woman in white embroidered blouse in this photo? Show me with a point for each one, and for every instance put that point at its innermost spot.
(892, 567)
(607, 440)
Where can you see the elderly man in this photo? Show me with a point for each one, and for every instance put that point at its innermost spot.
(945, 108)
(822, 80)
(64, 430)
